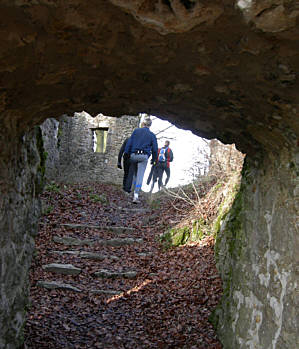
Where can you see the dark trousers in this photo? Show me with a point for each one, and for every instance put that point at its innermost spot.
(153, 175)
(161, 168)
(156, 174)
(167, 171)
(126, 164)
(132, 169)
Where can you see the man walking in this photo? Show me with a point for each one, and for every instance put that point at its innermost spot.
(165, 157)
(153, 176)
(126, 161)
(140, 146)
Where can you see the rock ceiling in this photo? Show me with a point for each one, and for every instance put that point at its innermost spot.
(225, 69)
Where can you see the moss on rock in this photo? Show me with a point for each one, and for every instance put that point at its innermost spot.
(180, 236)
(175, 237)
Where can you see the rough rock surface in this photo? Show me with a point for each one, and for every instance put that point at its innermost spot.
(70, 144)
(103, 273)
(67, 269)
(257, 257)
(225, 69)
(19, 211)
(52, 285)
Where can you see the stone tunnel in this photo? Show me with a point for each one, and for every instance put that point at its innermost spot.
(225, 69)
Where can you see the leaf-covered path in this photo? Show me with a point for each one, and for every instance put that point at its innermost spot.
(113, 285)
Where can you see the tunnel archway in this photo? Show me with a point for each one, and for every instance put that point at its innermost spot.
(225, 70)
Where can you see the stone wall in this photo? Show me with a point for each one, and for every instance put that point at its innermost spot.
(49, 130)
(20, 184)
(257, 255)
(70, 147)
(224, 158)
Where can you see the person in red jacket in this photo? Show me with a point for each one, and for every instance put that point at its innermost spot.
(165, 156)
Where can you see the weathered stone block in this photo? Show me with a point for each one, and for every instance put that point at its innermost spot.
(68, 240)
(67, 269)
(52, 285)
(104, 273)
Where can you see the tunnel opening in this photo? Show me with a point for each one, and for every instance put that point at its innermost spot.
(179, 235)
(88, 228)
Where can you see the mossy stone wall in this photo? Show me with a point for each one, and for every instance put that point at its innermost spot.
(20, 184)
(69, 144)
(257, 256)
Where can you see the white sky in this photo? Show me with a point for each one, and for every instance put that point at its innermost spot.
(186, 151)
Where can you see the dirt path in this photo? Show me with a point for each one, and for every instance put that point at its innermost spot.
(100, 278)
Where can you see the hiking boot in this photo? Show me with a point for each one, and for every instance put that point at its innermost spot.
(136, 199)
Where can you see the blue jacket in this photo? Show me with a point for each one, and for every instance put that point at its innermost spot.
(142, 139)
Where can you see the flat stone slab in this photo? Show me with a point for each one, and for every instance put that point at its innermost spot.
(134, 209)
(95, 256)
(144, 254)
(71, 253)
(107, 274)
(51, 285)
(67, 269)
(68, 240)
(86, 254)
(71, 225)
(118, 230)
(109, 292)
(120, 241)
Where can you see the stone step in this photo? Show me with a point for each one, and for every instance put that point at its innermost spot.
(67, 269)
(67, 240)
(112, 228)
(120, 242)
(144, 254)
(119, 230)
(86, 254)
(51, 285)
(134, 209)
(107, 274)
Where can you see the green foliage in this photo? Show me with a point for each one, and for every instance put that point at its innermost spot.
(59, 135)
(233, 228)
(99, 198)
(197, 229)
(53, 187)
(197, 232)
(155, 204)
(175, 237)
(180, 236)
(45, 155)
(47, 210)
(233, 236)
(219, 185)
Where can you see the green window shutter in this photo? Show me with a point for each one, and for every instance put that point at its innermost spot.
(100, 138)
